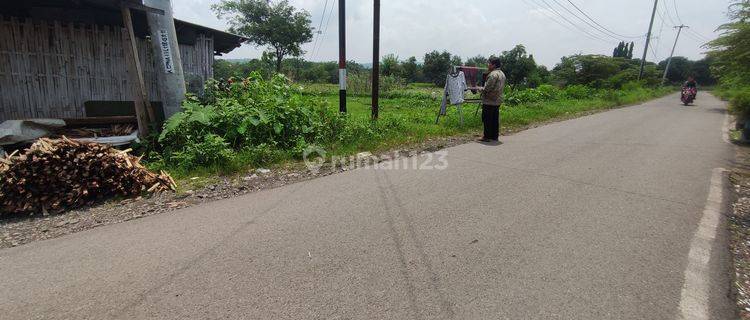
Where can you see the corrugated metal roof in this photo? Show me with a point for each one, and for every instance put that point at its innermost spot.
(107, 12)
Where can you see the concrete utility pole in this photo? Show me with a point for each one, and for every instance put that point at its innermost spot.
(342, 56)
(376, 60)
(648, 39)
(669, 61)
(171, 79)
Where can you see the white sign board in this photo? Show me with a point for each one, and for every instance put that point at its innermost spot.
(166, 51)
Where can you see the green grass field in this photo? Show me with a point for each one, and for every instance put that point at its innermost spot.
(416, 108)
(407, 117)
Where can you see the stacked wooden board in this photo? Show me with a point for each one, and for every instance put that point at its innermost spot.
(58, 174)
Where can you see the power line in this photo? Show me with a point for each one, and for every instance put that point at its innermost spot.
(549, 16)
(325, 30)
(584, 20)
(657, 45)
(320, 26)
(691, 31)
(677, 12)
(666, 13)
(694, 38)
(603, 27)
(574, 24)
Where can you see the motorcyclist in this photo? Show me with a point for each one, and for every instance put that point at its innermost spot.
(692, 85)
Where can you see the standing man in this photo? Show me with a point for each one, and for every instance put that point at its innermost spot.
(492, 98)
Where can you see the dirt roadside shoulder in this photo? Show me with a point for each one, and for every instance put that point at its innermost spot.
(18, 230)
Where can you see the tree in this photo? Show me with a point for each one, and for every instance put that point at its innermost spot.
(618, 52)
(630, 50)
(456, 61)
(731, 61)
(623, 50)
(477, 61)
(679, 69)
(277, 25)
(410, 69)
(601, 71)
(389, 66)
(538, 77)
(436, 66)
(517, 65)
(702, 71)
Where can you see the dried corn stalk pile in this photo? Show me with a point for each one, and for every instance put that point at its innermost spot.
(57, 174)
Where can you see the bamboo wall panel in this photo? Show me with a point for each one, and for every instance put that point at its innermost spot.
(49, 69)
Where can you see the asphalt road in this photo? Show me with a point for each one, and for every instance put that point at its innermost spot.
(591, 218)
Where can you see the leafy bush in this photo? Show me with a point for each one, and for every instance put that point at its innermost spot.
(578, 91)
(258, 122)
(237, 115)
(209, 149)
(740, 102)
(360, 83)
(536, 95)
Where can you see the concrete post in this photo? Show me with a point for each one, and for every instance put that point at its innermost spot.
(171, 79)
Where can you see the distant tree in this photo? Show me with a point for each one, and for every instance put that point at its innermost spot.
(623, 50)
(456, 61)
(630, 50)
(276, 24)
(538, 77)
(410, 70)
(601, 71)
(682, 67)
(679, 69)
(702, 71)
(436, 66)
(224, 69)
(477, 61)
(617, 52)
(518, 65)
(389, 66)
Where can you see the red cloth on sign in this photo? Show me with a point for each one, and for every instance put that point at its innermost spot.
(471, 74)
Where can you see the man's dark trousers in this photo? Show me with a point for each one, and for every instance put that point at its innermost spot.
(491, 121)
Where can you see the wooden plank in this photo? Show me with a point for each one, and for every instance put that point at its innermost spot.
(90, 121)
(142, 102)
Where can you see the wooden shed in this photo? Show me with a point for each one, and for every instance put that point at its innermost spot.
(67, 58)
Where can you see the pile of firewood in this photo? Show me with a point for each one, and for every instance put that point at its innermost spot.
(58, 174)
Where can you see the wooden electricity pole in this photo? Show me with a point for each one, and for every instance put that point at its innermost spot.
(669, 61)
(648, 39)
(342, 56)
(376, 60)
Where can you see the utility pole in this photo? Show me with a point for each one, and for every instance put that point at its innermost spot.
(171, 80)
(342, 56)
(648, 39)
(669, 61)
(376, 60)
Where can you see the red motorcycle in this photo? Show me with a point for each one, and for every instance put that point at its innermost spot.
(688, 95)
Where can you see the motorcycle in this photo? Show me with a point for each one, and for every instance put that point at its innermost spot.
(688, 95)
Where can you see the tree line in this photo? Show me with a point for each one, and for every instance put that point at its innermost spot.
(521, 69)
(282, 29)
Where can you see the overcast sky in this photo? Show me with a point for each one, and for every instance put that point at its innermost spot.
(471, 27)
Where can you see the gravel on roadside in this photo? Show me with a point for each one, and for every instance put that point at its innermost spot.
(20, 229)
(739, 227)
(17, 230)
